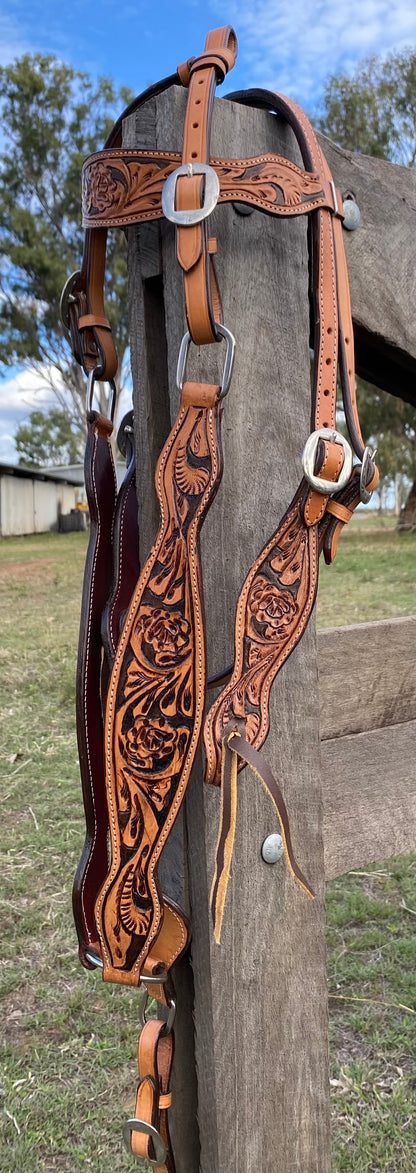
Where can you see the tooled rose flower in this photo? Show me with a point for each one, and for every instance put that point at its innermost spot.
(274, 607)
(166, 632)
(100, 188)
(149, 742)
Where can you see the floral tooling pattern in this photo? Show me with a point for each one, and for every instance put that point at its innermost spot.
(155, 696)
(119, 185)
(272, 612)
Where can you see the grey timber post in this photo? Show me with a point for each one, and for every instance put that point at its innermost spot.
(251, 1086)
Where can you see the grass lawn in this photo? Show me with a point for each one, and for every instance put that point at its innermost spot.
(69, 1041)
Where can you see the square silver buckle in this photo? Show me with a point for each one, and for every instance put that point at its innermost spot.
(211, 193)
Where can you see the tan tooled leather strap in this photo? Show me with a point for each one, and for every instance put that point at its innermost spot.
(277, 598)
(121, 187)
(155, 700)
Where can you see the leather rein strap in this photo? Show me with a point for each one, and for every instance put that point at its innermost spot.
(141, 667)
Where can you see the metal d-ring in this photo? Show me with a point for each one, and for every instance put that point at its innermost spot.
(143, 996)
(94, 959)
(368, 455)
(94, 376)
(134, 1125)
(228, 364)
(309, 457)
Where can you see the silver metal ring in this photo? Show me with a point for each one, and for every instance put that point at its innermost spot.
(141, 1126)
(211, 193)
(327, 488)
(368, 455)
(168, 1026)
(228, 364)
(94, 959)
(95, 377)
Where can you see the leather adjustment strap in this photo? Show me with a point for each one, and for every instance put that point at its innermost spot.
(147, 1134)
(201, 290)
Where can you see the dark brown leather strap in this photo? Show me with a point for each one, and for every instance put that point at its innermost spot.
(125, 548)
(100, 483)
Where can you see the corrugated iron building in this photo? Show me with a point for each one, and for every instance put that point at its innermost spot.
(31, 500)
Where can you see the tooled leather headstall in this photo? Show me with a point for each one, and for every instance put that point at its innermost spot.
(141, 668)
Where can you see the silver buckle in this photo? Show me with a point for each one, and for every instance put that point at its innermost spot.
(67, 297)
(367, 456)
(309, 456)
(211, 193)
(141, 1126)
(228, 365)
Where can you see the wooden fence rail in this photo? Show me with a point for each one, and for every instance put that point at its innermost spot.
(367, 691)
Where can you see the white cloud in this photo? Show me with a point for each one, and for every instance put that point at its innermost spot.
(293, 45)
(23, 393)
(26, 391)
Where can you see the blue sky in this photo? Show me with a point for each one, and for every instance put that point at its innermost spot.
(290, 45)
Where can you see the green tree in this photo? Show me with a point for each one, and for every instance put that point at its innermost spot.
(48, 439)
(389, 425)
(374, 110)
(52, 117)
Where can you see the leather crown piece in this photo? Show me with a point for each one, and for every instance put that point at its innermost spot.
(141, 680)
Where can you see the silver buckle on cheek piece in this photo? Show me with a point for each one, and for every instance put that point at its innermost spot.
(309, 458)
(211, 193)
(141, 1126)
(368, 456)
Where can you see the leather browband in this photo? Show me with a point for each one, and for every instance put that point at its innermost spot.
(121, 187)
(141, 681)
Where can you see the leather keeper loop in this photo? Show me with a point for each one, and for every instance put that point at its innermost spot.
(222, 61)
(88, 321)
(340, 511)
(184, 71)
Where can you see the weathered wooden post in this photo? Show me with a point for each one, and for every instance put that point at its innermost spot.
(260, 1010)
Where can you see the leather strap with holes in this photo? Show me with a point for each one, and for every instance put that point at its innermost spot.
(193, 250)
